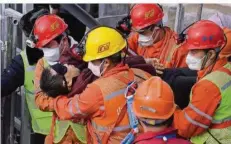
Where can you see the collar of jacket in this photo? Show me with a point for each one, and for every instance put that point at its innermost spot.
(118, 68)
(72, 41)
(219, 63)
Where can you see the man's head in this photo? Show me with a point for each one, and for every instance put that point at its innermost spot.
(146, 19)
(50, 35)
(103, 49)
(204, 40)
(154, 103)
(52, 83)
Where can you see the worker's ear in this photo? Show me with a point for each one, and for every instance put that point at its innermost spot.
(211, 55)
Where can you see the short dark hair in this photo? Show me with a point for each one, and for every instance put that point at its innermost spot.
(51, 84)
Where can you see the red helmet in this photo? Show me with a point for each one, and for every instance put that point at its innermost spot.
(47, 28)
(204, 34)
(144, 15)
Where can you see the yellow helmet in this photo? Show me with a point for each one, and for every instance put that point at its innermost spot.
(103, 42)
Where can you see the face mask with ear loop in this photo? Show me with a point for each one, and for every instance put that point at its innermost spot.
(145, 41)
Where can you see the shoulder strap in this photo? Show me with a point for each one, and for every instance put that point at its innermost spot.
(130, 78)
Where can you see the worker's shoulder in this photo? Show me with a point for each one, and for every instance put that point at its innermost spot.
(141, 73)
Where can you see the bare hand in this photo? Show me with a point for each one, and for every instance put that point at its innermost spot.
(71, 73)
(156, 63)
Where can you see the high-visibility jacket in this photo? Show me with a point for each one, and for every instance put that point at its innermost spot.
(103, 103)
(61, 126)
(208, 114)
(163, 50)
(40, 120)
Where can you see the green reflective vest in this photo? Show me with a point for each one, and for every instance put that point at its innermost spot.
(40, 121)
(61, 126)
(223, 113)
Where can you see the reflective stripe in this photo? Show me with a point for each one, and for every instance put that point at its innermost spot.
(30, 68)
(221, 121)
(114, 94)
(29, 92)
(70, 109)
(121, 128)
(226, 86)
(78, 110)
(200, 112)
(195, 122)
(115, 129)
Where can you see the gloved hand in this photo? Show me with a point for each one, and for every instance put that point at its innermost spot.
(124, 26)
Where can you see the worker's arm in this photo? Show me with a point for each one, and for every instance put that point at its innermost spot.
(13, 76)
(43, 102)
(83, 105)
(197, 116)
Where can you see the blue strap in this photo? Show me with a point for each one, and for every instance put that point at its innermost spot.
(132, 118)
(128, 139)
(133, 121)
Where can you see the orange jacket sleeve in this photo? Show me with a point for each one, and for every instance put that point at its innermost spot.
(197, 116)
(133, 42)
(42, 101)
(81, 105)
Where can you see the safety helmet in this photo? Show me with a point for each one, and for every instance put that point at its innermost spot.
(154, 99)
(204, 34)
(226, 51)
(144, 15)
(103, 42)
(47, 28)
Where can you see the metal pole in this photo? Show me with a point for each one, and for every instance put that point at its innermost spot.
(179, 18)
(199, 12)
(25, 8)
(81, 15)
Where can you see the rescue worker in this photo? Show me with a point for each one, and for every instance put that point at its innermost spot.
(154, 107)
(207, 117)
(21, 73)
(151, 39)
(102, 103)
(49, 34)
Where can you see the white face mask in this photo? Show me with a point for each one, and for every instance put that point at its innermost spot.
(52, 55)
(145, 41)
(193, 62)
(96, 70)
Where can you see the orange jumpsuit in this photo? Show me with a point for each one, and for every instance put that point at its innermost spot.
(45, 103)
(205, 99)
(95, 105)
(163, 50)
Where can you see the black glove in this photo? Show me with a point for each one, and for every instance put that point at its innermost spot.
(124, 25)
